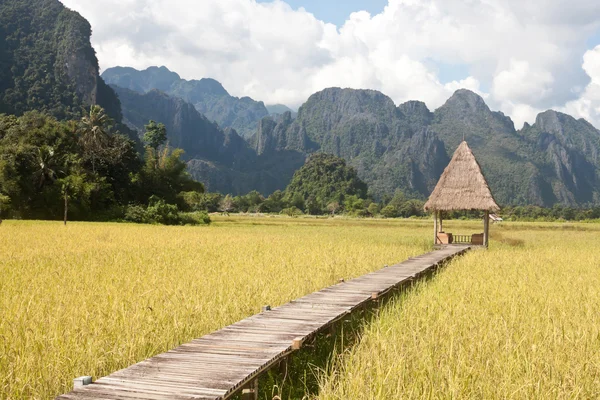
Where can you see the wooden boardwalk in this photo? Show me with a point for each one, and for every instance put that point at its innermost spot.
(218, 365)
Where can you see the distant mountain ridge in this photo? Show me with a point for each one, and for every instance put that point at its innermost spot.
(407, 147)
(208, 96)
(219, 158)
(280, 109)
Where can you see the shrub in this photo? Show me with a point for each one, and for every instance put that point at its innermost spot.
(136, 214)
(389, 212)
(373, 209)
(291, 211)
(160, 212)
(195, 218)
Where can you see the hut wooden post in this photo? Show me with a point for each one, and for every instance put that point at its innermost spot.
(441, 222)
(486, 228)
(435, 227)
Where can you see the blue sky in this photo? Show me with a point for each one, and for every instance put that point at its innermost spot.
(594, 40)
(336, 11)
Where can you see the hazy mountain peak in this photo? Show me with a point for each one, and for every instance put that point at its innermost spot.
(278, 109)
(162, 70)
(160, 78)
(207, 95)
(414, 106)
(351, 101)
(467, 100)
(551, 121)
(211, 86)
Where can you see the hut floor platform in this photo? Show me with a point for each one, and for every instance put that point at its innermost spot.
(219, 365)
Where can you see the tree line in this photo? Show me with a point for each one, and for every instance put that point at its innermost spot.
(325, 185)
(87, 170)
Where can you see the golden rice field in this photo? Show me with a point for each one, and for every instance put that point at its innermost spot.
(520, 321)
(91, 298)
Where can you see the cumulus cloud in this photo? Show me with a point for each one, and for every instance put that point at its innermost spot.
(588, 104)
(521, 56)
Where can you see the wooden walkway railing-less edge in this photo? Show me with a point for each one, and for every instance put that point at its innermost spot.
(218, 365)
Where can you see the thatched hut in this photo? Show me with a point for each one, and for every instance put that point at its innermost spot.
(462, 186)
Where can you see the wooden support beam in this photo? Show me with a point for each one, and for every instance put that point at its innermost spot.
(297, 343)
(283, 366)
(435, 228)
(82, 381)
(251, 392)
(486, 228)
(332, 329)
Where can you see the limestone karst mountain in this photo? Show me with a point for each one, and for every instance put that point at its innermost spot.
(208, 96)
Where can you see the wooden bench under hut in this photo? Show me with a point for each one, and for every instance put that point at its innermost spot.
(462, 187)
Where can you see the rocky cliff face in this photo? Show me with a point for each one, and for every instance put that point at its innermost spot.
(76, 58)
(186, 127)
(207, 95)
(567, 151)
(47, 61)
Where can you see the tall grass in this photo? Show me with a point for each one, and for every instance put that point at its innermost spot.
(520, 321)
(89, 299)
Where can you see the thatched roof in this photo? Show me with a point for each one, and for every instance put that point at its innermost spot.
(462, 185)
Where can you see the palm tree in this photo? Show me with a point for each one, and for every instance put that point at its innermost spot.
(95, 127)
(46, 163)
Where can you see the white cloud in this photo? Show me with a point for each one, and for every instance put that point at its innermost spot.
(521, 83)
(527, 53)
(588, 104)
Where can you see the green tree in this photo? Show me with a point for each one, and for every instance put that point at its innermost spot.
(95, 127)
(274, 203)
(333, 207)
(164, 174)
(226, 205)
(389, 211)
(373, 209)
(254, 200)
(47, 163)
(4, 202)
(355, 205)
(324, 179)
(198, 201)
(155, 135)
